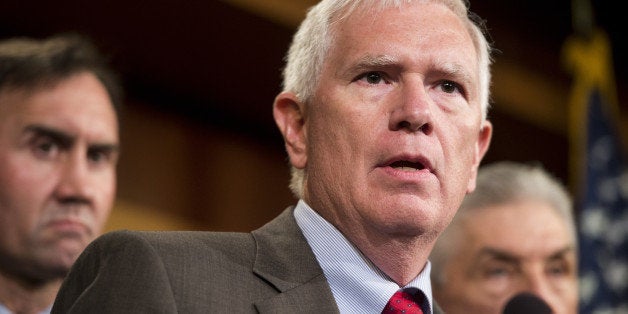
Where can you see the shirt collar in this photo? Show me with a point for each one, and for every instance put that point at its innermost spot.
(347, 270)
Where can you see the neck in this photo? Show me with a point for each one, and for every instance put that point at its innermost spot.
(400, 251)
(24, 297)
(402, 261)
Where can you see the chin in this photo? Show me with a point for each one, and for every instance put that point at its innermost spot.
(407, 223)
(52, 267)
(68, 250)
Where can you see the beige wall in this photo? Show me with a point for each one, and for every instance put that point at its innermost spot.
(174, 174)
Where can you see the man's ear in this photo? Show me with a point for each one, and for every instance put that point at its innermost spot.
(482, 144)
(289, 115)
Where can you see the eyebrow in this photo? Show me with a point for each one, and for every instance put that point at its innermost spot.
(505, 256)
(375, 61)
(66, 140)
(369, 62)
(562, 252)
(454, 70)
(497, 253)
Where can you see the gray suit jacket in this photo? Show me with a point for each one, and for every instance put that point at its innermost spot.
(270, 270)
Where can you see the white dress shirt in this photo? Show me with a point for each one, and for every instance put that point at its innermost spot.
(348, 271)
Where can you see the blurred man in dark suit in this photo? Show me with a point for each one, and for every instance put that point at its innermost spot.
(516, 233)
(383, 114)
(58, 152)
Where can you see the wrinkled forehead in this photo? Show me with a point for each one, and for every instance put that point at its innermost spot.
(522, 219)
(369, 10)
(374, 7)
(78, 104)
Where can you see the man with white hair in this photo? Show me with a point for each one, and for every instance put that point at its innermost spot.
(383, 115)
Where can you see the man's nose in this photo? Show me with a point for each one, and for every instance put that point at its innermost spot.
(412, 110)
(74, 180)
(538, 284)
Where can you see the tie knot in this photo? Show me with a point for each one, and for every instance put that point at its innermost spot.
(404, 302)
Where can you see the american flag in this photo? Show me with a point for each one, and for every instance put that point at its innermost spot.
(599, 163)
(603, 221)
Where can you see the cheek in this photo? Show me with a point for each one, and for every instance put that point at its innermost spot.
(337, 134)
(21, 201)
(24, 183)
(460, 150)
(467, 140)
(106, 192)
(567, 288)
(103, 201)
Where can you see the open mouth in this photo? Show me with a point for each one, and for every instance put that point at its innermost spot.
(405, 165)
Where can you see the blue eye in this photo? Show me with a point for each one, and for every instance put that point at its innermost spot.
(449, 87)
(497, 272)
(102, 155)
(558, 268)
(96, 156)
(373, 78)
(44, 147)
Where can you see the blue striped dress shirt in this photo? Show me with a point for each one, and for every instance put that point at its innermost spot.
(357, 285)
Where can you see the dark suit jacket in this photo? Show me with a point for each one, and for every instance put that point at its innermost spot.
(270, 270)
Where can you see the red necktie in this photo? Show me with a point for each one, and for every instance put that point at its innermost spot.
(403, 302)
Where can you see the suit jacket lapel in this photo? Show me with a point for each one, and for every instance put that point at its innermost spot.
(286, 261)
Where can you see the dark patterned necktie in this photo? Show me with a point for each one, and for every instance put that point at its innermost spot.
(404, 302)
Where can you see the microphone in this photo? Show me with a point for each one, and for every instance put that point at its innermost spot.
(526, 303)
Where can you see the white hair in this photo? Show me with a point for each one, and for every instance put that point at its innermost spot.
(502, 183)
(312, 40)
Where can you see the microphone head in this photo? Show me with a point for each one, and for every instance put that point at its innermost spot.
(525, 303)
